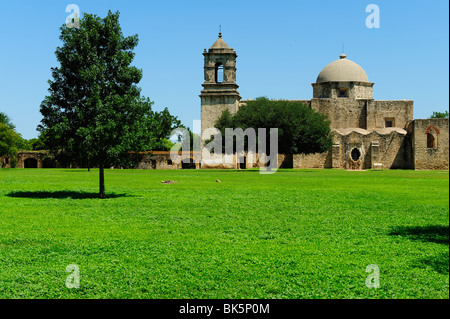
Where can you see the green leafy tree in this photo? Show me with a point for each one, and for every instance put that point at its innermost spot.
(94, 109)
(440, 115)
(6, 120)
(164, 123)
(9, 141)
(36, 144)
(300, 128)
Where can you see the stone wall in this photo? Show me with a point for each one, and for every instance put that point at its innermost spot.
(316, 160)
(430, 156)
(163, 160)
(354, 90)
(212, 108)
(33, 159)
(5, 161)
(401, 112)
(342, 112)
(389, 147)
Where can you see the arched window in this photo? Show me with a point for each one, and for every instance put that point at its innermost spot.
(432, 136)
(219, 73)
(431, 140)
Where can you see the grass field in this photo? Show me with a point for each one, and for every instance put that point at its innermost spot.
(293, 234)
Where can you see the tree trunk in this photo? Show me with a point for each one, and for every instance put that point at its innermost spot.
(102, 182)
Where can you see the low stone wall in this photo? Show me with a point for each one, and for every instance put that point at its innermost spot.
(316, 160)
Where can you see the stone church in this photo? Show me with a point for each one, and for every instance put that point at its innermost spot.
(367, 133)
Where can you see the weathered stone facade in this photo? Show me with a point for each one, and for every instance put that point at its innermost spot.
(430, 144)
(28, 159)
(219, 89)
(368, 133)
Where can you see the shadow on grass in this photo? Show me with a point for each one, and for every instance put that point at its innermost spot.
(62, 195)
(439, 263)
(433, 233)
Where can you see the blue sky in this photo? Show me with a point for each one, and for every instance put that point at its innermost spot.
(281, 45)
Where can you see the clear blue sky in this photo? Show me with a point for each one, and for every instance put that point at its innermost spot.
(281, 45)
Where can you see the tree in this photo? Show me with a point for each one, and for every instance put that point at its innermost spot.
(9, 141)
(94, 109)
(163, 125)
(440, 115)
(300, 128)
(6, 120)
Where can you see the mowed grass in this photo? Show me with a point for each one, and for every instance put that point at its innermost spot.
(293, 234)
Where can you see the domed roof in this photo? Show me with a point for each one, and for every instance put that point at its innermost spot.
(342, 70)
(220, 43)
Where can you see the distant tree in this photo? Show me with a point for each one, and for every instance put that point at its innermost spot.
(6, 120)
(36, 144)
(9, 141)
(440, 115)
(94, 109)
(300, 128)
(164, 123)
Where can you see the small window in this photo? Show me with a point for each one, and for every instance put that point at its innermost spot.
(169, 162)
(431, 141)
(342, 93)
(389, 122)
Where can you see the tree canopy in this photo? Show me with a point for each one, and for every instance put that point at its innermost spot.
(440, 115)
(10, 141)
(6, 120)
(300, 129)
(94, 110)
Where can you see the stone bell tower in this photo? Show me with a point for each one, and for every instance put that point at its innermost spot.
(219, 89)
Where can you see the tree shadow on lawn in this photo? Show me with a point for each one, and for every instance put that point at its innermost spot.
(433, 233)
(62, 195)
(439, 263)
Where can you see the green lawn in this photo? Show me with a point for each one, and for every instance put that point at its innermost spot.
(293, 234)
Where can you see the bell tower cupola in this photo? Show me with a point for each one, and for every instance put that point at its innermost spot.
(219, 89)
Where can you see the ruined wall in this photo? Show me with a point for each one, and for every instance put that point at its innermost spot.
(436, 156)
(40, 158)
(163, 160)
(5, 161)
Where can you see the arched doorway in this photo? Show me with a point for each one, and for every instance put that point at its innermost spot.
(30, 163)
